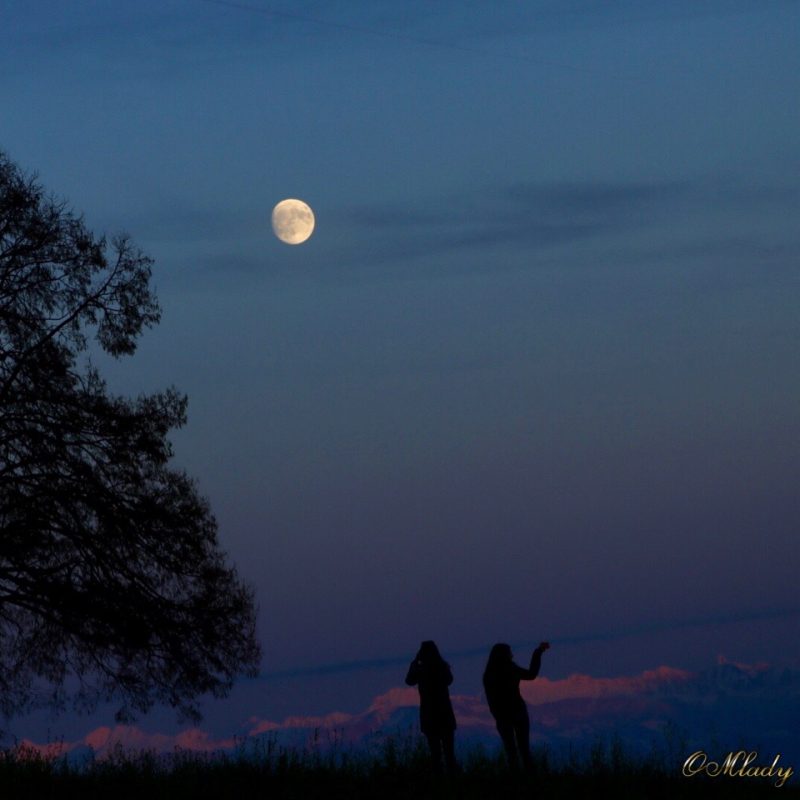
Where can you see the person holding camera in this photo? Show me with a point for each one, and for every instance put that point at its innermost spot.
(432, 676)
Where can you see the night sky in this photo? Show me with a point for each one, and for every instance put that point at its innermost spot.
(536, 373)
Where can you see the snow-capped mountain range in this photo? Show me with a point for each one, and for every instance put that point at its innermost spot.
(664, 710)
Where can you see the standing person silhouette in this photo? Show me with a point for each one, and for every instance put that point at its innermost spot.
(431, 674)
(501, 684)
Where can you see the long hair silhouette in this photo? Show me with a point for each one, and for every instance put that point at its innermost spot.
(501, 684)
(432, 676)
(429, 654)
(499, 658)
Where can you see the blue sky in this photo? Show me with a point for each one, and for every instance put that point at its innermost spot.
(535, 375)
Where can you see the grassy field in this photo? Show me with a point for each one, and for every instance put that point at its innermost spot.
(394, 769)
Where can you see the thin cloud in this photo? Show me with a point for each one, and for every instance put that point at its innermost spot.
(577, 639)
(526, 220)
(492, 228)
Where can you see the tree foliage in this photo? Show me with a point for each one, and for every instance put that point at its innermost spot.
(112, 582)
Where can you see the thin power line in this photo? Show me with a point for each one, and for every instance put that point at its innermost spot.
(403, 37)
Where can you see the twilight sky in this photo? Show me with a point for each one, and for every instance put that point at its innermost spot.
(536, 373)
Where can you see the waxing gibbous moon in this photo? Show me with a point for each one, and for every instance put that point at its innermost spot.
(292, 221)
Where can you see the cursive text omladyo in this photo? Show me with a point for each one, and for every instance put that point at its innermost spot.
(736, 765)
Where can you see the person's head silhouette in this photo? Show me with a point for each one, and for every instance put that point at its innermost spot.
(429, 653)
(500, 654)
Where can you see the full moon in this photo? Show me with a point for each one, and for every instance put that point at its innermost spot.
(292, 221)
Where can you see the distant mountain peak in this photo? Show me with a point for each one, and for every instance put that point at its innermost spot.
(730, 702)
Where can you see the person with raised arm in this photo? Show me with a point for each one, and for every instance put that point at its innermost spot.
(501, 684)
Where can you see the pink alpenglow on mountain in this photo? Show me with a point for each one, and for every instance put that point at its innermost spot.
(732, 701)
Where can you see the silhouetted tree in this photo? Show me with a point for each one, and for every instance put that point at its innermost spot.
(112, 582)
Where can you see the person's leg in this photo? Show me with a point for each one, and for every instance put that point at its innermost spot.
(435, 746)
(522, 730)
(448, 745)
(505, 728)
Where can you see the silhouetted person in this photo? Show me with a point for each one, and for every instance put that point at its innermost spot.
(501, 684)
(431, 674)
